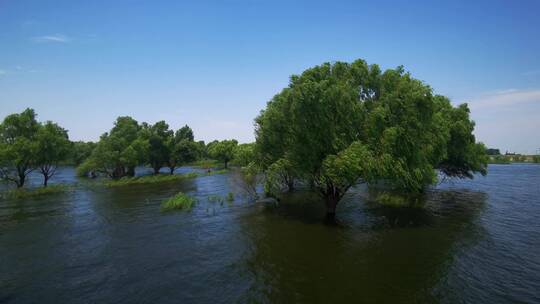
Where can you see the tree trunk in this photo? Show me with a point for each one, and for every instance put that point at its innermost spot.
(22, 178)
(172, 170)
(156, 170)
(331, 201)
(226, 162)
(290, 184)
(131, 171)
(45, 180)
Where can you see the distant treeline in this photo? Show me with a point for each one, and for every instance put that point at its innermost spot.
(27, 145)
(514, 158)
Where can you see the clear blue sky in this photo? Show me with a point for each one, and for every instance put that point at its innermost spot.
(214, 65)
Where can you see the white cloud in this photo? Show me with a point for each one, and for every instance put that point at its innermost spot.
(56, 38)
(505, 98)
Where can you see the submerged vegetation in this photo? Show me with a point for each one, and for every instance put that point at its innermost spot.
(161, 178)
(149, 179)
(179, 201)
(20, 193)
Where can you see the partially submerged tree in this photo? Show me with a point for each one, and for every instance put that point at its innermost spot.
(79, 152)
(338, 124)
(158, 135)
(244, 154)
(53, 147)
(18, 148)
(182, 148)
(119, 151)
(223, 150)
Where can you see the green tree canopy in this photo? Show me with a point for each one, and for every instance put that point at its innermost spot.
(182, 148)
(337, 124)
(53, 146)
(119, 151)
(244, 154)
(223, 150)
(18, 147)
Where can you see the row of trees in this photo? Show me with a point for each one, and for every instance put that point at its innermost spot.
(130, 144)
(27, 145)
(338, 124)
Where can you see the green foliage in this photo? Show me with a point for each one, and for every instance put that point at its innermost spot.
(536, 159)
(119, 151)
(499, 159)
(205, 163)
(244, 154)
(180, 201)
(279, 176)
(53, 147)
(182, 148)
(230, 197)
(337, 124)
(26, 145)
(223, 150)
(343, 170)
(157, 137)
(79, 152)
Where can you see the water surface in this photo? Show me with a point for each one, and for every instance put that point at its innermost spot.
(475, 241)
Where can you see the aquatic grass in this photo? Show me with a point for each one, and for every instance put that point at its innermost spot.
(215, 198)
(398, 200)
(179, 201)
(150, 179)
(206, 163)
(220, 171)
(35, 192)
(230, 197)
(160, 178)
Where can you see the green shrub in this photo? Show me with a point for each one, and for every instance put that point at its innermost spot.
(230, 197)
(180, 201)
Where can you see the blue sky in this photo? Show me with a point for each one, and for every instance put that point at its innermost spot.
(215, 64)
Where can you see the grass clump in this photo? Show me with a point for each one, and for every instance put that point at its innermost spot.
(215, 198)
(149, 179)
(27, 193)
(205, 163)
(399, 200)
(160, 178)
(179, 201)
(230, 197)
(220, 171)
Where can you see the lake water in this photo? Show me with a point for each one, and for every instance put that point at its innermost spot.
(474, 242)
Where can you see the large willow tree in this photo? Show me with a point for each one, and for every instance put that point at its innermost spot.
(339, 124)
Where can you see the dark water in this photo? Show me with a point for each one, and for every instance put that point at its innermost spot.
(474, 242)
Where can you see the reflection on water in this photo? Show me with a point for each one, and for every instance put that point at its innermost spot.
(473, 241)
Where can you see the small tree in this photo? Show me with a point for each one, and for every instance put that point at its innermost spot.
(182, 148)
(223, 150)
(157, 136)
(18, 148)
(52, 147)
(118, 152)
